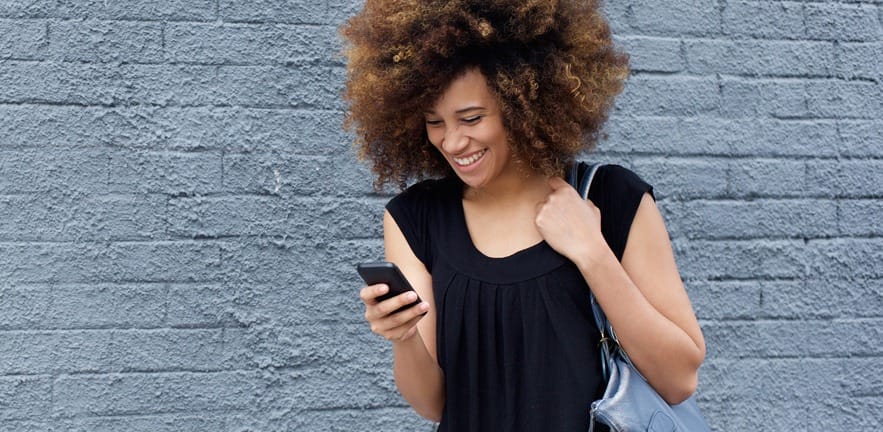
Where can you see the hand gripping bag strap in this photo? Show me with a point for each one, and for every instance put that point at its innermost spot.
(629, 403)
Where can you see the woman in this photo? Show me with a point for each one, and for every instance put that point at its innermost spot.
(491, 99)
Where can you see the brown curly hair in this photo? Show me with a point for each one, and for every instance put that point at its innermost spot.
(551, 64)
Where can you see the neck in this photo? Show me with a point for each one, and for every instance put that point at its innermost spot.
(515, 186)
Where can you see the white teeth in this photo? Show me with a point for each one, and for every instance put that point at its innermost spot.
(471, 159)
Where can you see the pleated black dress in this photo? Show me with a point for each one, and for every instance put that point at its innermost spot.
(515, 335)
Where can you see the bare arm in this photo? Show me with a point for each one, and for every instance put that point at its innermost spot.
(415, 366)
(643, 297)
(646, 303)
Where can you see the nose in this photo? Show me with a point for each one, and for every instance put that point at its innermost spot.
(454, 141)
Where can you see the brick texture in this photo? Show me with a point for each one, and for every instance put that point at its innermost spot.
(180, 212)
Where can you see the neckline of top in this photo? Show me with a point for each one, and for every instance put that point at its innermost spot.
(527, 263)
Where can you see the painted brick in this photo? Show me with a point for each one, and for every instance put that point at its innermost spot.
(850, 376)
(646, 95)
(763, 98)
(291, 11)
(191, 10)
(836, 21)
(24, 307)
(249, 44)
(179, 349)
(203, 305)
(164, 172)
(315, 87)
(113, 262)
(374, 419)
(292, 218)
(793, 395)
(729, 300)
(308, 87)
(767, 178)
(861, 138)
(63, 171)
(859, 60)
(823, 298)
(320, 388)
(845, 99)
(319, 344)
(83, 306)
(713, 136)
(764, 339)
(760, 58)
(24, 426)
(741, 259)
(682, 17)
(764, 19)
(24, 397)
(786, 299)
(169, 85)
(281, 174)
(106, 41)
(199, 10)
(753, 219)
(22, 39)
(139, 393)
(618, 14)
(280, 132)
(25, 353)
(792, 413)
(37, 218)
(666, 135)
(74, 126)
(297, 262)
(846, 258)
(653, 54)
(860, 217)
(174, 128)
(328, 302)
(50, 82)
(684, 178)
(853, 178)
(209, 422)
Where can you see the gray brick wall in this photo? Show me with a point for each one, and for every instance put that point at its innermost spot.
(180, 212)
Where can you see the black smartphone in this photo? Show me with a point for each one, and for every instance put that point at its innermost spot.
(386, 273)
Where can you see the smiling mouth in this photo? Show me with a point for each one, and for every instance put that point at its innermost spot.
(471, 159)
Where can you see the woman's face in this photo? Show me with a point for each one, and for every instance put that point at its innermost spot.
(466, 126)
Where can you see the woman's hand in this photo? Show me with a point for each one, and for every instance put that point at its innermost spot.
(397, 326)
(570, 224)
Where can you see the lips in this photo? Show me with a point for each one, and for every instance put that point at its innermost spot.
(471, 159)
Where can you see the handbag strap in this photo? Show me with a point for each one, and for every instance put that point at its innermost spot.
(580, 175)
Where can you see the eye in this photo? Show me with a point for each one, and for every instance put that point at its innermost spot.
(472, 120)
(433, 122)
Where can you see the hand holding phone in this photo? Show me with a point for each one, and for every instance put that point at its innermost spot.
(387, 273)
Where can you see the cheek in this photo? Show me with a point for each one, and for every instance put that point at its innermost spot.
(433, 137)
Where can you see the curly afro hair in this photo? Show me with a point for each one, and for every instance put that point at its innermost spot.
(551, 64)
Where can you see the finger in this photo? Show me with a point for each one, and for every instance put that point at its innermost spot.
(370, 293)
(391, 305)
(407, 315)
(394, 323)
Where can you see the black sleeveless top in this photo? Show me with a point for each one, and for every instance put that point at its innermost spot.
(515, 335)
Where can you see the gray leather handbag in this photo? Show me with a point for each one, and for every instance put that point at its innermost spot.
(629, 404)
